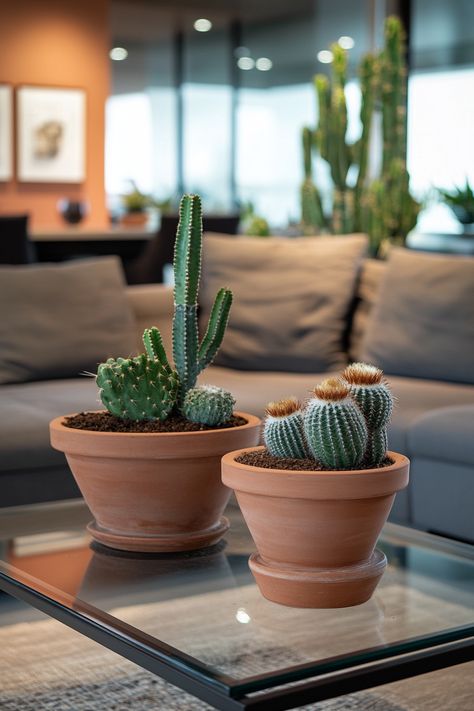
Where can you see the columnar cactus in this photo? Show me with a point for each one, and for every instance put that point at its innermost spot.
(141, 388)
(190, 356)
(374, 398)
(334, 426)
(312, 215)
(383, 208)
(283, 429)
(208, 405)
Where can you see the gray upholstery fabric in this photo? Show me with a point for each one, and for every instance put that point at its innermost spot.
(368, 288)
(446, 435)
(25, 412)
(423, 324)
(441, 494)
(58, 320)
(292, 299)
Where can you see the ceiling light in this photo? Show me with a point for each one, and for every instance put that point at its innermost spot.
(325, 56)
(346, 42)
(118, 54)
(264, 64)
(245, 63)
(202, 25)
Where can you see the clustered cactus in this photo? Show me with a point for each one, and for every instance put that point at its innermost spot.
(344, 423)
(146, 387)
(383, 207)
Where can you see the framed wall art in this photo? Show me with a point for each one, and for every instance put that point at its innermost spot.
(51, 135)
(6, 132)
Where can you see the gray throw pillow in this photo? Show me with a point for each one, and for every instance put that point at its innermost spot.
(292, 297)
(423, 324)
(59, 320)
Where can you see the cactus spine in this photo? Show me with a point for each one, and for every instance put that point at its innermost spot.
(335, 427)
(189, 356)
(283, 429)
(384, 209)
(374, 398)
(208, 405)
(141, 388)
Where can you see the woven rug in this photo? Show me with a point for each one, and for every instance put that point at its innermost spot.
(45, 665)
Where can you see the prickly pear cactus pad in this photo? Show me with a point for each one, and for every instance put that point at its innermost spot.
(283, 429)
(334, 426)
(138, 388)
(208, 405)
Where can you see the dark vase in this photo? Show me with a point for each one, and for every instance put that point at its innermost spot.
(72, 211)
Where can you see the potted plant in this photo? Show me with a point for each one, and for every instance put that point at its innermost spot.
(461, 202)
(149, 466)
(316, 496)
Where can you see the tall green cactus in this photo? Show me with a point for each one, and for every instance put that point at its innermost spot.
(384, 208)
(190, 356)
(311, 207)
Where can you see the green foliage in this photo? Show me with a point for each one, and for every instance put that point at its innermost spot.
(140, 388)
(384, 208)
(208, 405)
(253, 225)
(336, 432)
(461, 201)
(283, 430)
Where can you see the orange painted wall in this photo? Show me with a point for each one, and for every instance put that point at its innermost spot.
(59, 43)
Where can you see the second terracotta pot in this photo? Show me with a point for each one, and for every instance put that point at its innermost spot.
(159, 492)
(316, 531)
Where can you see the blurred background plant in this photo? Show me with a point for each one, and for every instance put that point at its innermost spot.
(461, 202)
(382, 206)
(252, 224)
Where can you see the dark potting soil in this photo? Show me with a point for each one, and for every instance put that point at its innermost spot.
(105, 422)
(264, 459)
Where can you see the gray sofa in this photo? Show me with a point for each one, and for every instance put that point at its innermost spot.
(433, 422)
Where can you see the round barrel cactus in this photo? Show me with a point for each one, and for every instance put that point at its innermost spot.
(283, 429)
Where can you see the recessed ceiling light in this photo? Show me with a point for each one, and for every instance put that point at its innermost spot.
(325, 56)
(264, 64)
(346, 42)
(245, 63)
(118, 54)
(202, 25)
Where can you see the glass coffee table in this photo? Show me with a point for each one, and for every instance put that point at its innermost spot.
(199, 621)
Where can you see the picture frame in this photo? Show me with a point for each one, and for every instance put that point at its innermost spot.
(6, 132)
(51, 134)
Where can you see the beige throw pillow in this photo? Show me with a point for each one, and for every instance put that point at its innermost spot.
(292, 297)
(57, 320)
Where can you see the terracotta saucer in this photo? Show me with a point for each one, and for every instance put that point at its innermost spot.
(156, 543)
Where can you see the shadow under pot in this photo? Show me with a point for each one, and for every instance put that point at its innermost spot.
(153, 492)
(315, 531)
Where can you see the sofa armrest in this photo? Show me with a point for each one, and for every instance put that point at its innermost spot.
(152, 305)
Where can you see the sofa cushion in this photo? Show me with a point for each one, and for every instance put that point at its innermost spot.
(292, 299)
(367, 292)
(423, 323)
(58, 320)
(445, 434)
(25, 412)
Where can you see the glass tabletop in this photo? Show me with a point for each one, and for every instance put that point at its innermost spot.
(203, 612)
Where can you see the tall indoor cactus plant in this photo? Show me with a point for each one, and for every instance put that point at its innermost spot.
(383, 207)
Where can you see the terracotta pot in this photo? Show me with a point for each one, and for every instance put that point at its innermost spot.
(158, 492)
(315, 532)
(134, 219)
